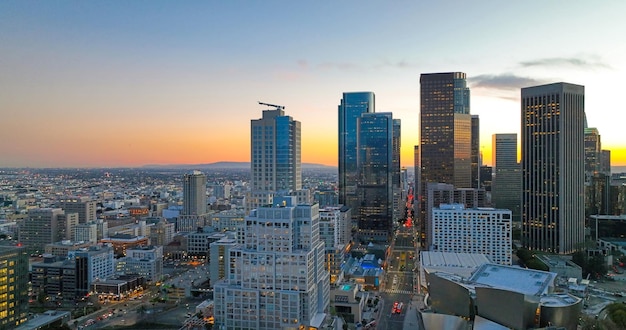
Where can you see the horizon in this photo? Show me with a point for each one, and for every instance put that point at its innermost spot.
(125, 84)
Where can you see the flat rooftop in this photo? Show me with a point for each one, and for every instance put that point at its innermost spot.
(516, 279)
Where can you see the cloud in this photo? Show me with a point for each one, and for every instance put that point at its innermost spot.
(504, 81)
(342, 66)
(589, 63)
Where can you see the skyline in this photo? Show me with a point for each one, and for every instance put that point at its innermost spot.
(120, 84)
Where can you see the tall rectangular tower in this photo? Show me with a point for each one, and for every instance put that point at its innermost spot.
(350, 109)
(14, 285)
(375, 159)
(506, 188)
(275, 152)
(445, 133)
(476, 161)
(276, 163)
(194, 193)
(553, 163)
(84, 206)
(276, 279)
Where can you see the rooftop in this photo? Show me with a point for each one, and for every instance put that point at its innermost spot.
(516, 279)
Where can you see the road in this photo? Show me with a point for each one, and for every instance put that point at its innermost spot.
(400, 282)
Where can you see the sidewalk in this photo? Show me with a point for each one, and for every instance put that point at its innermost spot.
(412, 320)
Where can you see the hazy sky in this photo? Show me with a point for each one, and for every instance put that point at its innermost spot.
(127, 83)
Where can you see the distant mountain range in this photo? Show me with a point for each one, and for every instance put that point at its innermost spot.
(226, 165)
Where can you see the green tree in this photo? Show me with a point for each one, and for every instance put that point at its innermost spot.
(524, 254)
(536, 264)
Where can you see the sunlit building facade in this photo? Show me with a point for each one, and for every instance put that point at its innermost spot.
(553, 173)
(506, 188)
(445, 132)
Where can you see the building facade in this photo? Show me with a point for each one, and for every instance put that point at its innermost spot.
(275, 154)
(506, 189)
(553, 173)
(477, 230)
(376, 173)
(442, 193)
(445, 132)
(145, 261)
(40, 228)
(14, 280)
(194, 193)
(276, 280)
(84, 206)
(350, 109)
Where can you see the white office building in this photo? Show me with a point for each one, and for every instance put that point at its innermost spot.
(276, 280)
(475, 230)
(86, 232)
(146, 261)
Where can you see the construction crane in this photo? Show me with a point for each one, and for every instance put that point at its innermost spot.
(278, 107)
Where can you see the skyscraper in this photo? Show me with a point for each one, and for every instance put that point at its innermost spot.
(275, 156)
(84, 206)
(375, 162)
(506, 188)
(553, 173)
(276, 279)
(40, 228)
(194, 193)
(475, 156)
(14, 285)
(445, 133)
(350, 109)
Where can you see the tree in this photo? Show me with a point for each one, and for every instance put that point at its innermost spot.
(524, 254)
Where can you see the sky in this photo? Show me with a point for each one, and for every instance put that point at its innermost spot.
(130, 83)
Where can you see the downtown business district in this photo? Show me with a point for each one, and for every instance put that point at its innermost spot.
(369, 246)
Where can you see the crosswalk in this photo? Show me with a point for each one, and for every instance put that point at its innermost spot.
(398, 291)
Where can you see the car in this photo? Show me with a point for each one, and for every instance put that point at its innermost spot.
(394, 308)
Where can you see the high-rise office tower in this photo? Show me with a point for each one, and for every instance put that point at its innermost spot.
(276, 163)
(445, 133)
(276, 279)
(506, 188)
(375, 160)
(350, 109)
(476, 161)
(396, 179)
(40, 228)
(84, 206)
(553, 171)
(593, 149)
(194, 193)
(14, 285)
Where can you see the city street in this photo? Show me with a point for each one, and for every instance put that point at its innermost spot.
(400, 283)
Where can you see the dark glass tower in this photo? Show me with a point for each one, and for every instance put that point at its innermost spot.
(445, 132)
(476, 162)
(352, 106)
(375, 162)
(553, 167)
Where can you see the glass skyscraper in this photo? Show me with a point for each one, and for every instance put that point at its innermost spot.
(276, 163)
(375, 162)
(553, 167)
(445, 132)
(350, 109)
(507, 185)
